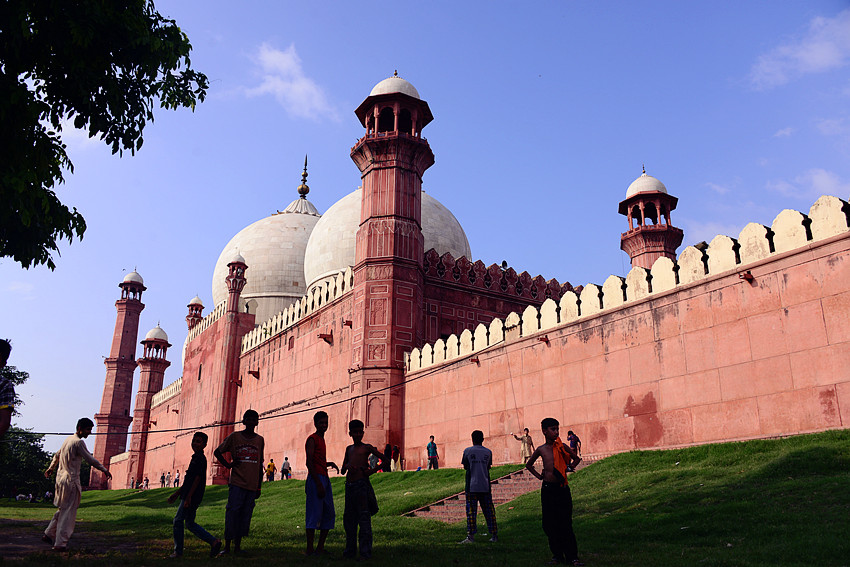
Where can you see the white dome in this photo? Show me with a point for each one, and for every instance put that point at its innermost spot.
(331, 246)
(273, 248)
(134, 277)
(394, 84)
(645, 184)
(156, 333)
(196, 301)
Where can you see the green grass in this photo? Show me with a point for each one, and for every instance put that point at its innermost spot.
(777, 502)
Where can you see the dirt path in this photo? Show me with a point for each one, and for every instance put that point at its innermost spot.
(22, 539)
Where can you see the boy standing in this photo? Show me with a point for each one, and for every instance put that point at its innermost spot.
(271, 468)
(556, 502)
(246, 476)
(431, 452)
(360, 501)
(320, 501)
(191, 494)
(68, 489)
(575, 445)
(477, 461)
(527, 445)
(285, 469)
(7, 390)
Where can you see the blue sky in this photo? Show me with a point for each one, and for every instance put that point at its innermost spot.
(543, 114)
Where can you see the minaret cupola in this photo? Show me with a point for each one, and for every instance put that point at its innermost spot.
(196, 308)
(651, 235)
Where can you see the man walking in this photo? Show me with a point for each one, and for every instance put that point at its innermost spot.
(68, 489)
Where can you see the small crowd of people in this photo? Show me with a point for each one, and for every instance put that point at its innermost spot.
(242, 453)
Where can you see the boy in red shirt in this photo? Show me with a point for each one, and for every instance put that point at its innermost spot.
(320, 501)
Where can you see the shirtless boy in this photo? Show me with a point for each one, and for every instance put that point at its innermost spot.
(556, 502)
(360, 501)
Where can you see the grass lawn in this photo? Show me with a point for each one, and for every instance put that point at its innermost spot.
(759, 503)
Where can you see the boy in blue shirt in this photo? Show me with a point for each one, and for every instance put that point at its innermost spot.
(191, 494)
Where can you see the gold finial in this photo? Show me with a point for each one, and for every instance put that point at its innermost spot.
(303, 189)
(395, 73)
(643, 165)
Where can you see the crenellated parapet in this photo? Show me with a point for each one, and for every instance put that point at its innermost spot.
(167, 393)
(214, 316)
(494, 278)
(791, 230)
(319, 295)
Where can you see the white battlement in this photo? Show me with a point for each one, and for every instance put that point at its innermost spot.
(828, 217)
(168, 392)
(318, 296)
(208, 320)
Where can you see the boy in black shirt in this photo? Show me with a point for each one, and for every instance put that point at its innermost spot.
(191, 494)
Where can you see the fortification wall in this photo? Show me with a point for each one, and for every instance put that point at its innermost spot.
(460, 294)
(745, 338)
(294, 369)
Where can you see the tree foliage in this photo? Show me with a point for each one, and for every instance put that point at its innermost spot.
(23, 461)
(101, 65)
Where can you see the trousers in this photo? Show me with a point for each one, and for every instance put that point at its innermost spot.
(357, 515)
(556, 504)
(486, 501)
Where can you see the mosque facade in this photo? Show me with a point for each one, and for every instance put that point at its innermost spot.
(375, 310)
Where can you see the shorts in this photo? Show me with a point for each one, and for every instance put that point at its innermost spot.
(320, 513)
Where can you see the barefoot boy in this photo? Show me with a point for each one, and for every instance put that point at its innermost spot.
(556, 502)
(191, 494)
(320, 501)
(360, 500)
(246, 477)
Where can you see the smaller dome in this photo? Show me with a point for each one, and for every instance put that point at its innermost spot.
(156, 333)
(395, 84)
(645, 184)
(237, 257)
(196, 301)
(134, 277)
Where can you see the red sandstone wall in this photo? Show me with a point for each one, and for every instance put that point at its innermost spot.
(717, 360)
(309, 374)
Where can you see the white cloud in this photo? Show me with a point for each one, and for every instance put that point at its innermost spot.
(784, 133)
(22, 290)
(825, 46)
(811, 184)
(719, 189)
(282, 76)
(833, 126)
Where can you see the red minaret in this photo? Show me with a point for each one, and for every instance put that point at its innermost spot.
(647, 201)
(194, 317)
(152, 371)
(229, 369)
(113, 420)
(388, 273)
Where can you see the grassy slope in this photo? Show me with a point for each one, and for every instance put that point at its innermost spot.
(779, 502)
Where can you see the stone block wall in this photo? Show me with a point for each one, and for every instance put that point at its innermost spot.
(744, 338)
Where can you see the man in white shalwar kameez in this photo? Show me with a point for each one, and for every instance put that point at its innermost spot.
(68, 489)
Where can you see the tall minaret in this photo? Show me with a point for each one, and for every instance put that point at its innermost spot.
(229, 368)
(388, 274)
(114, 419)
(152, 372)
(650, 236)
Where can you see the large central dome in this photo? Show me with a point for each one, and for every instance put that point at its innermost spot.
(331, 246)
(273, 249)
